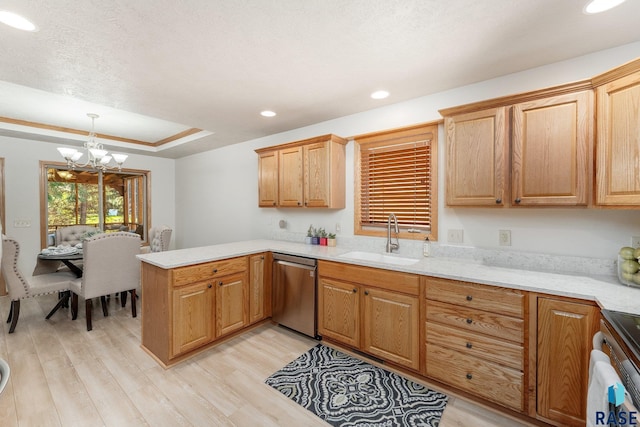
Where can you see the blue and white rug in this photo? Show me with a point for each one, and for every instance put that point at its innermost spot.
(345, 391)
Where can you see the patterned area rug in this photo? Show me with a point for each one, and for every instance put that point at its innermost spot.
(345, 391)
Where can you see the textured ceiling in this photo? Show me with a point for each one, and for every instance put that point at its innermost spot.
(153, 69)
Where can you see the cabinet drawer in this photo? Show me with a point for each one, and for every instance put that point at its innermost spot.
(485, 379)
(476, 345)
(482, 297)
(469, 319)
(209, 270)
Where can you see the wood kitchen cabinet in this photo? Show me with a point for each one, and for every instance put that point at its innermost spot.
(187, 308)
(564, 330)
(193, 324)
(373, 310)
(268, 179)
(477, 144)
(474, 339)
(618, 137)
(531, 149)
(259, 287)
(310, 173)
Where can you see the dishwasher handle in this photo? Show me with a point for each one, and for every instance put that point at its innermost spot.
(293, 264)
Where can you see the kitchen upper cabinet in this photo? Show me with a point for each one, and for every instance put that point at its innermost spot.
(564, 341)
(618, 137)
(531, 149)
(268, 179)
(476, 158)
(310, 173)
(551, 150)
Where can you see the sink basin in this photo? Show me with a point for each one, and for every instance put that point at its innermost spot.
(376, 257)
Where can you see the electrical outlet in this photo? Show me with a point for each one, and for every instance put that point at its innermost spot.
(455, 236)
(635, 241)
(22, 223)
(504, 237)
(338, 228)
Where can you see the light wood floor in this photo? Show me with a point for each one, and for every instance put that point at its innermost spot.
(63, 375)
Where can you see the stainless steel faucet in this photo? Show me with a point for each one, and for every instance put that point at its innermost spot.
(396, 245)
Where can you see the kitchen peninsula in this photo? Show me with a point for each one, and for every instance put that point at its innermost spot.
(486, 322)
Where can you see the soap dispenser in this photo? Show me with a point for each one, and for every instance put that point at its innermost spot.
(426, 247)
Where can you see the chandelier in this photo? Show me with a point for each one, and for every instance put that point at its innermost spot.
(97, 156)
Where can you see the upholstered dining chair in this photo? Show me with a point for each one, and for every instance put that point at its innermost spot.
(110, 267)
(21, 287)
(159, 239)
(73, 234)
(5, 373)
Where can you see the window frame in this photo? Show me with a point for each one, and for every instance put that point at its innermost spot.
(392, 137)
(45, 165)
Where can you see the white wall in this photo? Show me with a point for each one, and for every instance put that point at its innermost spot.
(217, 190)
(22, 190)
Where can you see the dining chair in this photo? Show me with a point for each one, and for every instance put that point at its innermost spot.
(110, 267)
(21, 287)
(5, 373)
(159, 239)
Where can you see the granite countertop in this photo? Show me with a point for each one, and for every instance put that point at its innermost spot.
(605, 290)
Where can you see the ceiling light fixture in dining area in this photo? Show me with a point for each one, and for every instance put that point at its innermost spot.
(97, 156)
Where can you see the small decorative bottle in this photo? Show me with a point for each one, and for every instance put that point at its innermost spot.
(426, 247)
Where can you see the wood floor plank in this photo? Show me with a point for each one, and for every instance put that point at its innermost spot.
(111, 381)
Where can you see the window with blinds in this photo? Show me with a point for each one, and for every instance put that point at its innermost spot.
(397, 174)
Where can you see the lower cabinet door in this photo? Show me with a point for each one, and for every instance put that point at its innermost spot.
(339, 311)
(192, 317)
(232, 311)
(391, 327)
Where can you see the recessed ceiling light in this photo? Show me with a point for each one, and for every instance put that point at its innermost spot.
(16, 21)
(597, 6)
(267, 113)
(380, 94)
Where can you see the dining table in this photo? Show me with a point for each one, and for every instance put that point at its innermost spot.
(49, 260)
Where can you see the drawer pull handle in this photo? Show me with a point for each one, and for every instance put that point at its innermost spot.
(469, 297)
(469, 321)
(469, 345)
(469, 376)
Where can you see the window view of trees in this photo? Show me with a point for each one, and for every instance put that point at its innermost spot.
(73, 197)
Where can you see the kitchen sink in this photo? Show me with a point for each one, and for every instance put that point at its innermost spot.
(377, 257)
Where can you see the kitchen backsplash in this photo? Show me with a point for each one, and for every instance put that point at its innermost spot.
(498, 258)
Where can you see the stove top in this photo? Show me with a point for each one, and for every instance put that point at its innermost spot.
(628, 327)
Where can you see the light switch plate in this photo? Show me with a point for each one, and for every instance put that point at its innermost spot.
(504, 237)
(22, 223)
(635, 241)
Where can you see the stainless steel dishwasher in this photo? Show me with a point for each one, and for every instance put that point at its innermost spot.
(294, 293)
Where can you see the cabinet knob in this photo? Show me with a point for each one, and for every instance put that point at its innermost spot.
(366, 292)
(274, 203)
(261, 257)
(469, 297)
(306, 203)
(469, 345)
(469, 376)
(209, 286)
(355, 290)
(498, 201)
(215, 270)
(220, 283)
(469, 321)
(518, 200)
(299, 203)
